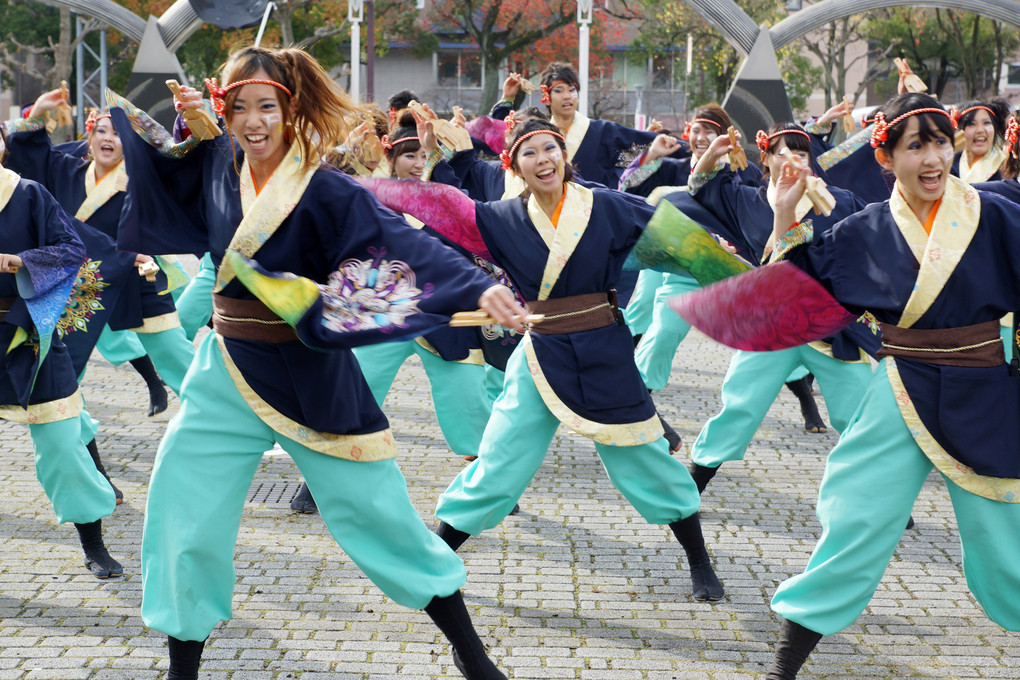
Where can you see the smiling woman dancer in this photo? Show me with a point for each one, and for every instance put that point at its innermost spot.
(984, 128)
(40, 254)
(564, 246)
(948, 259)
(93, 190)
(260, 192)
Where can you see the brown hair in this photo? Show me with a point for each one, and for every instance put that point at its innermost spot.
(318, 110)
(716, 114)
(405, 128)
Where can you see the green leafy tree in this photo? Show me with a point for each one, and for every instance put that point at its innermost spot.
(943, 44)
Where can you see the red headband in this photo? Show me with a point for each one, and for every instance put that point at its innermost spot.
(1012, 130)
(957, 115)
(687, 126)
(219, 93)
(511, 121)
(388, 145)
(90, 122)
(764, 140)
(508, 156)
(547, 90)
(881, 132)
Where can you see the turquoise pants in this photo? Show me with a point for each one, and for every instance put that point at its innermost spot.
(638, 313)
(119, 347)
(200, 480)
(871, 481)
(515, 444)
(752, 384)
(171, 353)
(194, 306)
(75, 489)
(459, 393)
(654, 354)
(493, 383)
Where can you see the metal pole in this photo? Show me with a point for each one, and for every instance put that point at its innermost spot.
(584, 10)
(270, 6)
(687, 73)
(103, 61)
(355, 14)
(79, 76)
(370, 52)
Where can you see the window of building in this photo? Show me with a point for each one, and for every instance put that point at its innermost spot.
(662, 70)
(1013, 74)
(459, 68)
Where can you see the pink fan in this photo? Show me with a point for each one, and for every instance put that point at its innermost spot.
(442, 207)
(490, 130)
(773, 307)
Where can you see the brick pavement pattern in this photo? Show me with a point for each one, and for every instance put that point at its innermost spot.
(575, 587)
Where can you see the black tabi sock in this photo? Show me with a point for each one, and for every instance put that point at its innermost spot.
(185, 656)
(157, 392)
(453, 537)
(706, 585)
(97, 559)
(792, 650)
(702, 475)
(808, 407)
(94, 453)
(451, 616)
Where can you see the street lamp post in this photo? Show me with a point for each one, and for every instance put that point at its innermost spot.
(355, 15)
(584, 11)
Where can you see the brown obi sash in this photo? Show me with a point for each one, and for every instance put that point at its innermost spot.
(249, 320)
(977, 345)
(5, 306)
(575, 313)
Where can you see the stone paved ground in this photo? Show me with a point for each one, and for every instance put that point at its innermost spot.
(574, 587)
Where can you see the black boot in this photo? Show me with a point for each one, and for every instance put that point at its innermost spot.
(672, 438)
(706, 585)
(97, 559)
(453, 537)
(450, 614)
(702, 475)
(809, 409)
(910, 522)
(157, 391)
(303, 501)
(94, 452)
(792, 649)
(185, 656)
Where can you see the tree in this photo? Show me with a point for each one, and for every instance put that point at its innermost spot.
(943, 44)
(829, 45)
(28, 44)
(502, 29)
(38, 40)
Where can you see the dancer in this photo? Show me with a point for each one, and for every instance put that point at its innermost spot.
(452, 357)
(947, 254)
(39, 262)
(93, 189)
(984, 127)
(754, 379)
(564, 246)
(355, 274)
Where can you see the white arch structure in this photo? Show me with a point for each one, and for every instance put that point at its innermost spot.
(180, 20)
